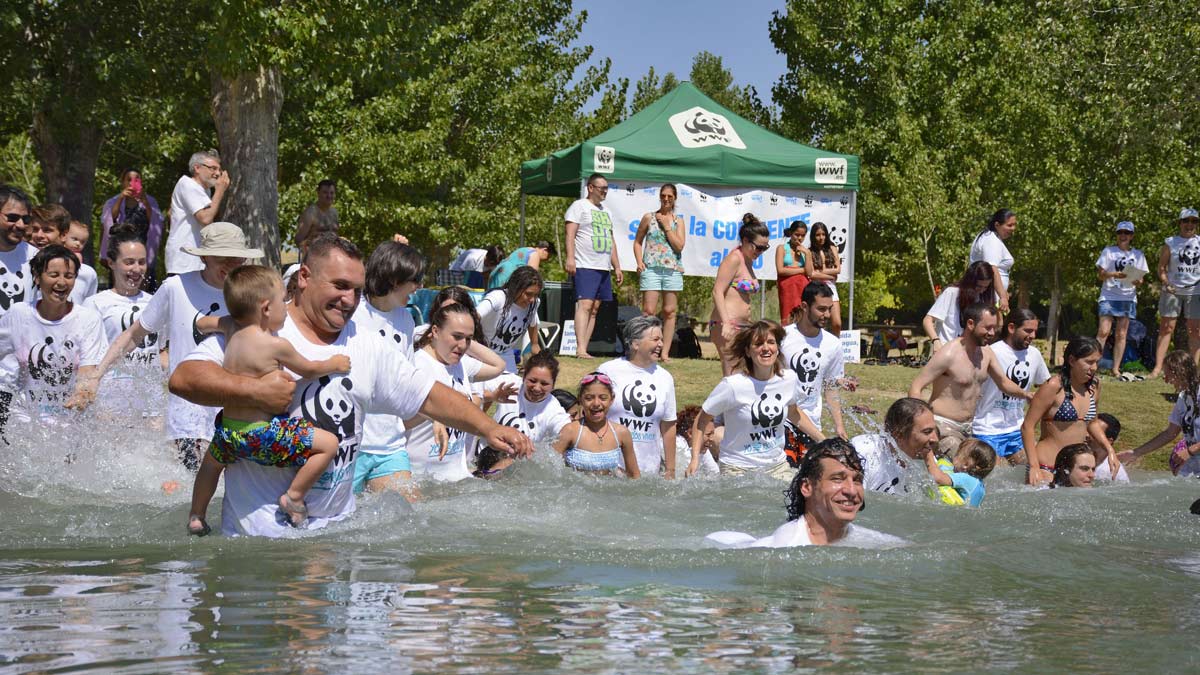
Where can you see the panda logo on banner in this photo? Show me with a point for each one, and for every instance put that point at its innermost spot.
(700, 128)
(604, 160)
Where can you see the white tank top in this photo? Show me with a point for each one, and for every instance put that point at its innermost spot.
(1184, 270)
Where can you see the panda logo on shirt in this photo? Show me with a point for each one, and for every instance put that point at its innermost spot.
(1190, 254)
(1121, 263)
(394, 337)
(806, 364)
(49, 365)
(767, 412)
(639, 399)
(508, 331)
(1020, 372)
(328, 404)
(12, 287)
(197, 336)
(519, 422)
(127, 319)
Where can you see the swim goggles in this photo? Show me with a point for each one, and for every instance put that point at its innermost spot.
(592, 377)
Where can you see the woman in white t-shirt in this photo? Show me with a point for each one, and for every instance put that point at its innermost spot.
(989, 247)
(440, 355)
(508, 313)
(943, 321)
(48, 345)
(645, 395)
(535, 413)
(753, 403)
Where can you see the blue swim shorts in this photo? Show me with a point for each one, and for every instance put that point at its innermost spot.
(369, 467)
(593, 284)
(1005, 445)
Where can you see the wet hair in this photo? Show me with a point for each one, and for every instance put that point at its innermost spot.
(328, 182)
(492, 257)
(119, 235)
(755, 334)
(1182, 366)
(325, 243)
(565, 398)
(811, 470)
(1065, 462)
(462, 296)
(485, 459)
(664, 186)
(823, 255)
(1078, 347)
(55, 214)
(796, 224)
(981, 453)
(685, 421)
(813, 291)
(598, 381)
(752, 228)
(968, 293)
(390, 265)
(199, 157)
(41, 261)
(521, 279)
(542, 359)
(15, 194)
(439, 317)
(1112, 426)
(248, 286)
(637, 327)
(974, 312)
(546, 245)
(1017, 317)
(902, 416)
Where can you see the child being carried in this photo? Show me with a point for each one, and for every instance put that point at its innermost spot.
(255, 298)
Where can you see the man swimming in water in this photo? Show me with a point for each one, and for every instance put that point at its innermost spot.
(957, 373)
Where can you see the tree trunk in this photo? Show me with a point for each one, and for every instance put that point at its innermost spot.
(1052, 320)
(245, 108)
(68, 154)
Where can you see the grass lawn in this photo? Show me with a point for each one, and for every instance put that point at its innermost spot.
(1140, 406)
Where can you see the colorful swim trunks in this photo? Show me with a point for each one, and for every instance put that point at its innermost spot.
(284, 441)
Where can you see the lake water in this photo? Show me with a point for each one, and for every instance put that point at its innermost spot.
(549, 570)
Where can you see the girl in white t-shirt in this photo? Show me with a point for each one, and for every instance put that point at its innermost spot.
(595, 444)
(508, 313)
(989, 247)
(48, 345)
(943, 321)
(753, 403)
(1179, 370)
(439, 355)
(535, 413)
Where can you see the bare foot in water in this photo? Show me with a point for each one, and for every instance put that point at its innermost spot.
(169, 487)
(295, 510)
(197, 526)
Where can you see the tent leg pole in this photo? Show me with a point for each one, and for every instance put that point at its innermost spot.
(522, 218)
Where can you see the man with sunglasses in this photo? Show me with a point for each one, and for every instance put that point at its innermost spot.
(15, 253)
(192, 209)
(591, 258)
(1120, 268)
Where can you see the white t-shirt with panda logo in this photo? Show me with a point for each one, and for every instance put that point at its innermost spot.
(423, 449)
(1183, 268)
(118, 313)
(594, 238)
(1113, 259)
(818, 364)
(504, 329)
(1183, 415)
(43, 357)
(997, 412)
(643, 400)
(754, 411)
(883, 469)
(16, 281)
(541, 422)
(136, 383)
(384, 434)
(380, 380)
(173, 312)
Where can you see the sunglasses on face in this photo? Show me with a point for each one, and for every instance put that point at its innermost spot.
(761, 248)
(593, 377)
(14, 217)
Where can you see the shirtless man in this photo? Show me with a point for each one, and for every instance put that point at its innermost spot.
(957, 373)
(319, 217)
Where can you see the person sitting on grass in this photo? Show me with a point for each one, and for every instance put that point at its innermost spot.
(254, 296)
(973, 462)
(1075, 466)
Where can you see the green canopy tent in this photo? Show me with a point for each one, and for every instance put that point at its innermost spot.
(687, 137)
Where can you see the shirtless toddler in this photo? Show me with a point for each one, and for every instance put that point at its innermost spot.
(255, 298)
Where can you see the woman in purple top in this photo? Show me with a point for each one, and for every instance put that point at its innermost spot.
(134, 207)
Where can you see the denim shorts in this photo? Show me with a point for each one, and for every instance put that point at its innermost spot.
(1169, 305)
(593, 284)
(660, 279)
(369, 467)
(1118, 308)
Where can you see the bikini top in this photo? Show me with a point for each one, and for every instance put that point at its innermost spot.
(1067, 413)
(579, 435)
(789, 260)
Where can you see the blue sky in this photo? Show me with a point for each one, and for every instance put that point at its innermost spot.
(667, 34)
